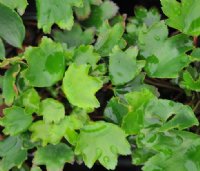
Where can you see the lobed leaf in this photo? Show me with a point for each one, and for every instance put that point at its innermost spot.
(80, 88)
(51, 67)
(46, 156)
(108, 141)
(59, 12)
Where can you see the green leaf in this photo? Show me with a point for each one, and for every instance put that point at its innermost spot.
(183, 15)
(2, 50)
(104, 11)
(35, 168)
(52, 110)
(80, 88)
(123, 66)
(135, 85)
(47, 132)
(9, 88)
(20, 5)
(86, 55)
(15, 120)
(46, 156)
(12, 29)
(183, 157)
(12, 153)
(137, 101)
(75, 37)
(147, 17)
(103, 142)
(115, 110)
(58, 12)
(53, 133)
(169, 115)
(29, 99)
(109, 9)
(165, 57)
(189, 83)
(108, 37)
(51, 67)
(84, 12)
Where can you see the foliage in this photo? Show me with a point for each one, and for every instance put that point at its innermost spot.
(98, 85)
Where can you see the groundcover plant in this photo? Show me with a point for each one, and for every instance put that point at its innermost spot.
(96, 84)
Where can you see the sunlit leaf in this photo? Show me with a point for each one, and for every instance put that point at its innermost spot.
(80, 88)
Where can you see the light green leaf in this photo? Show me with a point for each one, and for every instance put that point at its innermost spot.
(53, 133)
(80, 88)
(52, 110)
(183, 15)
(123, 66)
(2, 50)
(54, 156)
(137, 101)
(12, 29)
(15, 120)
(108, 37)
(35, 168)
(12, 153)
(165, 57)
(75, 37)
(182, 157)
(51, 67)
(20, 5)
(189, 82)
(86, 55)
(29, 99)
(169, 115)
(103, 142)
(9, 88)
(58, 12)
(109, 9)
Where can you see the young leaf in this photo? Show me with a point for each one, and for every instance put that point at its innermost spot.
(86, 55)
(29, 99)
(165, 57)
(2, 50)
(189, 83)
(12, 29)
(123, 66)
(12, 153)
(75, 37)
(15, 120)
(52, 110)
(103, 142)
(80, 88)
(137, 101)
(54, 156)
(9, 88)
(20, 5)
(108, 37)
(58, 12)
(53, 133)
(183, 15)
(51, 67)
